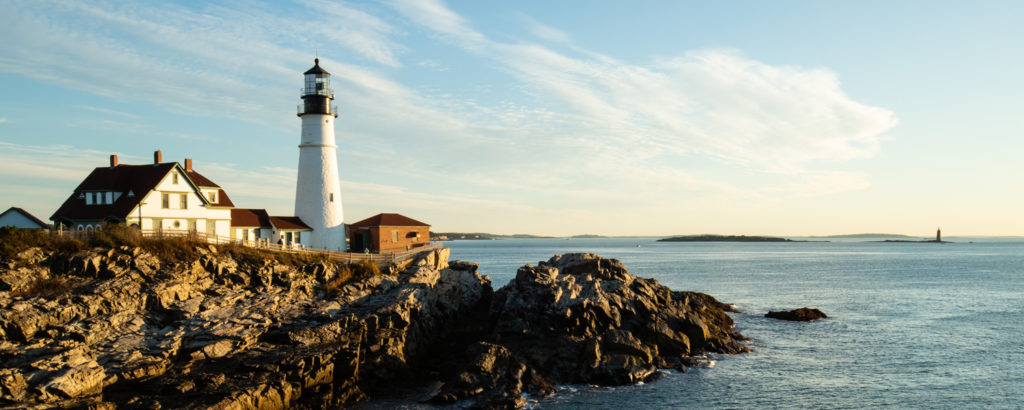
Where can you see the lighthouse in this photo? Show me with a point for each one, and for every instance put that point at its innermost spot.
(318, 190)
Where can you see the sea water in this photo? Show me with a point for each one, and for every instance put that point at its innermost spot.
(911, 325)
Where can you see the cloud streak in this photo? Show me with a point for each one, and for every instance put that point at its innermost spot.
(714, 102)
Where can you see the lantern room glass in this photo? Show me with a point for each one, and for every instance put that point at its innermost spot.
(318, 84)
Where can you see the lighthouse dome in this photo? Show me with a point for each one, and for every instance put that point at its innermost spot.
(316, 68)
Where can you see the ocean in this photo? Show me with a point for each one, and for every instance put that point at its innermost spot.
(911, 325)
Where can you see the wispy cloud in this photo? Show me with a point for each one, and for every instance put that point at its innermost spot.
(3, 120)
(188, 60)
(713, 102)
(108, 111)
(545, 32)
(61, 163)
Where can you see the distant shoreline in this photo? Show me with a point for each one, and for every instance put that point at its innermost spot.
(863, 237)
(908, 241)
(725, 238)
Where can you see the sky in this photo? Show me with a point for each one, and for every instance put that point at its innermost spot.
(553, 118)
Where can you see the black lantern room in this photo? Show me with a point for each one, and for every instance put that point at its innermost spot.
(317, 93)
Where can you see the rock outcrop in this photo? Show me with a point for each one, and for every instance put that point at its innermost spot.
(132, 330)
(797, 315)
(581, 318)
(125, 328)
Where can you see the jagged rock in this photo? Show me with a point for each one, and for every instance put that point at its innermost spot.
(84, 379)
(585, 319)
(797, 315)
(32, 255)
(216, 332)
(493, 378)
(463, 266)
(12, 385)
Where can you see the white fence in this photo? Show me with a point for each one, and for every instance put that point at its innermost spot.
(348, 257)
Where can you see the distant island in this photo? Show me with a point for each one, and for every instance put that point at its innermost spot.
(587, 236)
(725, 238)
(455, 236)
(864, 236)
(909, 241)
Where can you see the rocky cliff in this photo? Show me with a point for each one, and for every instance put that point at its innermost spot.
(128, 329)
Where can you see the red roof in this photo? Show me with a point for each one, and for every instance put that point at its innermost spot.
(200, 180)
(222, 199)
(389, 220)
(249, 218)
(289, 222)
(27, 216)
(137, 179)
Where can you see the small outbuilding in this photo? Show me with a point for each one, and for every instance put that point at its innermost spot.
(387, 233)
(20, 218)
(255, 225)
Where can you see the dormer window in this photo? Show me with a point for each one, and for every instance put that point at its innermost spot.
(88, 198)
(212, 196)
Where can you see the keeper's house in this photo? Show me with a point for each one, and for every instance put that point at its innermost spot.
(162, 196)
(167, 197)
(387, 232)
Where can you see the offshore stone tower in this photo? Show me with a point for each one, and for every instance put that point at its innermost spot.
(318, 191)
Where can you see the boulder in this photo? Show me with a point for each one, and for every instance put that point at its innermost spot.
(797, 315)
(581, 318)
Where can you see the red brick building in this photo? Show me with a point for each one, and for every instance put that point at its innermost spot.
(387, 232)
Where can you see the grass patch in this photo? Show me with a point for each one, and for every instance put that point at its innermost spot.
(248, 254)
(350, 272)
(14, 241)
(44, 287)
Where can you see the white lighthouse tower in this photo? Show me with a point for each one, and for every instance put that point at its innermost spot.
(318, 191)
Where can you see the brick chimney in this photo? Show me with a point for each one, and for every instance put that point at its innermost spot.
(188, 164)
(113, 160)
(157, 157)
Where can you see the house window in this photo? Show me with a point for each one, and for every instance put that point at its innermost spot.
(332, 197)
(165, 200)
(213, 197)
(174, 177)
(288, 238)
(394, 236)
(184, 201)
(298, 237)
(177, 224)
(88, 198)
(256, 233)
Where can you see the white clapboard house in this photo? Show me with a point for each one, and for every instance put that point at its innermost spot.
(164, 197)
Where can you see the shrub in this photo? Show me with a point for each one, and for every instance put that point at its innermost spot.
(44, 287)
(364, 269)
(13, 240)
(173, 248)
(114, 235)
(351, 272)
(256, 255)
